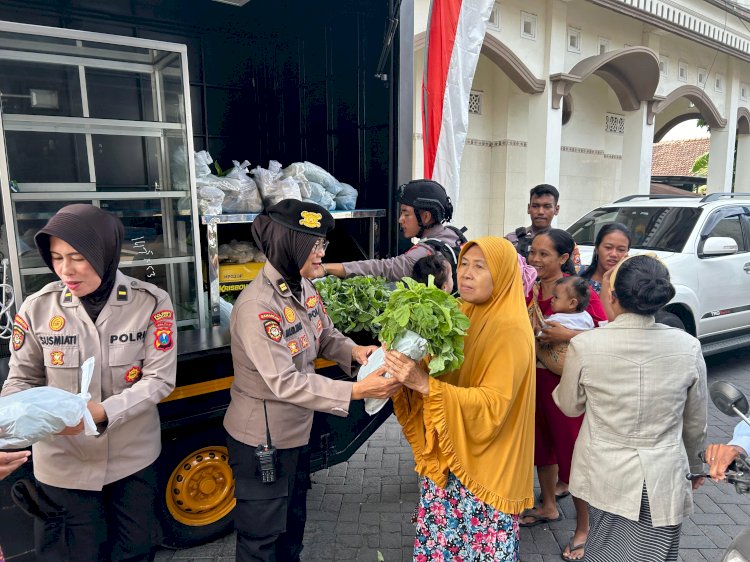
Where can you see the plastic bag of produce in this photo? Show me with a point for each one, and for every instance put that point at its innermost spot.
(202, 161)
(210, 200)
(321, 196)
(296, 171)
(346, 199)
(411, 344)
(247, 199)
(41, 412)
(315, 173)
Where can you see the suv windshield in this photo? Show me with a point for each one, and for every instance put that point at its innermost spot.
(653, 228)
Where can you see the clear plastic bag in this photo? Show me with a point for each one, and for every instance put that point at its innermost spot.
(410, 344)
(321, 197)
(210, 200)
(296, 171)
(40, 413)
(202, 161)
(247, 199)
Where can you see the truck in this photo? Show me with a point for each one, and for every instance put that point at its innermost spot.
(289, 80)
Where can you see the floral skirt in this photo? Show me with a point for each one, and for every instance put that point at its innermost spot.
(452, 524)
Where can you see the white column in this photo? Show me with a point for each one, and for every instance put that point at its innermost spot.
(637, 152)
(742, 168)
(721, 152)
(545, 123)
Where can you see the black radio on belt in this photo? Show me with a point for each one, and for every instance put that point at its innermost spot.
(266, 455)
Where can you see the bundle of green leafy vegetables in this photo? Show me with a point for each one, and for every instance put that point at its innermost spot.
(353, 304)
(434, 315)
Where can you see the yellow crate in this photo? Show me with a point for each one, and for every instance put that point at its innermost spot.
(238, 272)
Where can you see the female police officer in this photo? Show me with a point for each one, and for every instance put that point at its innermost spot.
(278, 327)
(105, 483)
(424, 207)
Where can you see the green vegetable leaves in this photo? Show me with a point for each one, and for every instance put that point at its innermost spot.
(352, 304)
(431, 313)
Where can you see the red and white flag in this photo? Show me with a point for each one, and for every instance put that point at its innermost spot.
(455, 32)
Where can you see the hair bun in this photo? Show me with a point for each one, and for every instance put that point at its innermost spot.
(651, 294)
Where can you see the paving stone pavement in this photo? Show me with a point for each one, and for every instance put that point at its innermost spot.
(364, 506)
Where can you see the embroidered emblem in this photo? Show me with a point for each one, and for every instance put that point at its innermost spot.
(18, 337)
(163, 317)
(319, 325)
(283, 287)
(122, 293)
(304, 342)
(67, 296)
(270, 316)
(133, 375)
(21, 323)
(56, 323)
(289, 314)
(293, 347)
(273, 330)
(57, 357)
(311, 302)
(163, 338)
(310, 219)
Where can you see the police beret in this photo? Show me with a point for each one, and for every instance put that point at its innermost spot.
(302, 216)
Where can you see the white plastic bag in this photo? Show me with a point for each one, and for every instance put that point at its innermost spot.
(247, 198)
(210, 200)
(410, 344)
(41, 412)
(202, 161)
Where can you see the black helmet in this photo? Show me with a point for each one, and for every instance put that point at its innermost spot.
(427, 195)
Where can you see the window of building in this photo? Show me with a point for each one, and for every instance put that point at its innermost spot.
(682, 71)
(574, 40)
(494, 21)
(528, 25)
(603, 45)
(702, 75)
(475, 102)
(614, 123)
(719, 83)
(664, 65)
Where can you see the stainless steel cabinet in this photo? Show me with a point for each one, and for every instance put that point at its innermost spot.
(94, 118)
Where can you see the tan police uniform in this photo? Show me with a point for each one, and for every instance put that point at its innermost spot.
(134, 345)
(275, 339)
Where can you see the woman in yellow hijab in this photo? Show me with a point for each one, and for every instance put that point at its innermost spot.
(472, 431)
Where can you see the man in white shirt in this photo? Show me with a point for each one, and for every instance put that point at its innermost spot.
(719, 456)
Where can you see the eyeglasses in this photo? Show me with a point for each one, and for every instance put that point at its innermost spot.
(320, 244)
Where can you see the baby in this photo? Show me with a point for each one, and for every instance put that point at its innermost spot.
(570, 297)
(439, 267)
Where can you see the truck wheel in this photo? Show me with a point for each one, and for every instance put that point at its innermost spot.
(197, 494)
(670, 319)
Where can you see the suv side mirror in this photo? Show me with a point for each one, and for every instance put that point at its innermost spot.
(719, 246)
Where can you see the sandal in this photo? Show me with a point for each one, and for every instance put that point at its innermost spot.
(572, 547)
(538, 519)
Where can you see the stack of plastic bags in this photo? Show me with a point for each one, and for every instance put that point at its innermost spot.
(236, 192)
(240, 252)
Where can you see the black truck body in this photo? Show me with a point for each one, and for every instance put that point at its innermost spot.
(289, 80)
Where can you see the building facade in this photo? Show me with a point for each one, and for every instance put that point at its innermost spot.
(575, 93)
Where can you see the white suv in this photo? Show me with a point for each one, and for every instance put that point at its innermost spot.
(706, 245)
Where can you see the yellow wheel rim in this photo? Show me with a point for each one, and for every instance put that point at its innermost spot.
(200, 490)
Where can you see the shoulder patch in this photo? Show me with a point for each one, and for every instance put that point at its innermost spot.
(270, 316)
(163, 340)
(21, 323)
(162, 316)
(273, 330)
(18, 338)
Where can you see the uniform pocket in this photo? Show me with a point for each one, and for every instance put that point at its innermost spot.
(62, 366)
(126, 363)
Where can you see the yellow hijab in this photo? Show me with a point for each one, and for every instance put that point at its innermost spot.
(478, 422)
